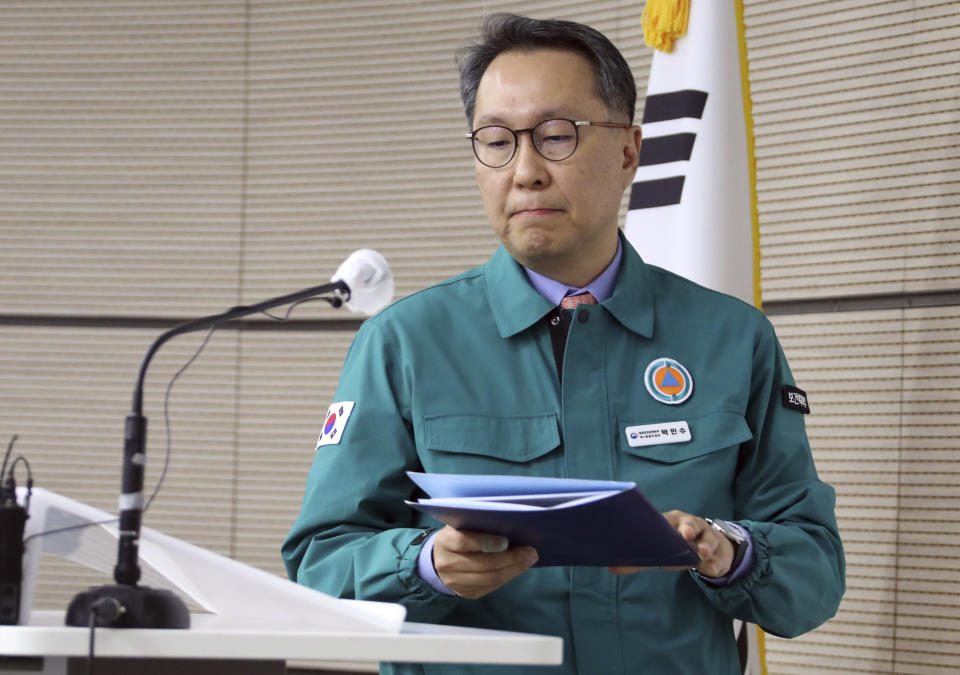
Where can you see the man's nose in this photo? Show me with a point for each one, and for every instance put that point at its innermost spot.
(530, 167)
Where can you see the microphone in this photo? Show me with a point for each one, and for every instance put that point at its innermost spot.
(369, 280)
(365, 284)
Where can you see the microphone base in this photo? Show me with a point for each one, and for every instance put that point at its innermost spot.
(142, 607)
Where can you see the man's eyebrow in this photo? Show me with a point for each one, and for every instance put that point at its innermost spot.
(495, 119)
(486, 120)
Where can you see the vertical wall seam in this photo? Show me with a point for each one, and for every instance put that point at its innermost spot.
(241, 253)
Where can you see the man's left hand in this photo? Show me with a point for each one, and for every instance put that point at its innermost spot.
(715, 550)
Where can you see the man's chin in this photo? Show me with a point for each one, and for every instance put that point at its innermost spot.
(531, 253)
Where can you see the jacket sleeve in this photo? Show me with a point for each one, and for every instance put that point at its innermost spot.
(798, 579)
(354, 536)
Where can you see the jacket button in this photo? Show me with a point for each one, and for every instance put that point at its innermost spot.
(583, 315)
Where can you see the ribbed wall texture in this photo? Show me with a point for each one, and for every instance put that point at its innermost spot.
(857, 120)
(857, 137)
(884, 389)
(169, 160)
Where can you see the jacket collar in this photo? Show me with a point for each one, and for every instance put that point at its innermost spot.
(516, 305)
(632, 302)
(514, 302)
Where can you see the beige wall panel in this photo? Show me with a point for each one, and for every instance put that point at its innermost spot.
(120, 156)
(938, 165)
(895, 419)
(831, 90)
(843, 250)
(793, 16)
(287, 381)
(921, 668)
(779, 219)
(66, 393)
(830, 156)
(888, 31)
(854, 433)
(788, 657)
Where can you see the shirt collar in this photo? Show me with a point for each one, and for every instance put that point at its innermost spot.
(517, 305)
(601, 288)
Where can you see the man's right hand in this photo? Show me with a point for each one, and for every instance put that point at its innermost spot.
(472, 564)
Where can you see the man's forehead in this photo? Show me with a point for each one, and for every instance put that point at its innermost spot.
(531, 86)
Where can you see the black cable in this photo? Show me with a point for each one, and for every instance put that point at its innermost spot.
(166, 462)
(104, 611)
(68, 528)
(166, 416)
(93, 629)
(6, 458)
(26, 464)
(334, 301)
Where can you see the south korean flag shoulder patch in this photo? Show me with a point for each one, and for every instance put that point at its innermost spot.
(794, 399)
(338, 414)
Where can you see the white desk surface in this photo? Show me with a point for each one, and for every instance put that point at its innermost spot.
(212, 637)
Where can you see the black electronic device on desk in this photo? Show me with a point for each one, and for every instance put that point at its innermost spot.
(13, 518)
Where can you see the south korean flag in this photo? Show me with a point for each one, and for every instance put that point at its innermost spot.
(692, 208)
(338, 414)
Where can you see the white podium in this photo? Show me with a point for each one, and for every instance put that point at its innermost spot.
(254, 622)
(213, 646)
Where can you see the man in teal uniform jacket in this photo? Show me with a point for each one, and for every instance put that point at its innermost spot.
(484, 373)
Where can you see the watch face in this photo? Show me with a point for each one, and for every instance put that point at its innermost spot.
(726, 530)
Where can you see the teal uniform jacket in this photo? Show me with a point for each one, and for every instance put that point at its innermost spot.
(461, 378)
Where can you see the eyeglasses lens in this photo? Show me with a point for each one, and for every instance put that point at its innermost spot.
(553, 139)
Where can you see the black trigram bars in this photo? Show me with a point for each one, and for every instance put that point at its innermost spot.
(647, 194)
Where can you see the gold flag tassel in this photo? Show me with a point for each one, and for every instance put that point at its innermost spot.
(664, 22)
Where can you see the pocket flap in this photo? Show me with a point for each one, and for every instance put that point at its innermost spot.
(708, 433)
(517, 439)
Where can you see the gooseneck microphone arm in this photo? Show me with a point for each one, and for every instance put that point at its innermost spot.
(142, 607)
(339, 288)
(127, 570)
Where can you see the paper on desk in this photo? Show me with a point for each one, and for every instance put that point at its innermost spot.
(232, 590)
(568, 521)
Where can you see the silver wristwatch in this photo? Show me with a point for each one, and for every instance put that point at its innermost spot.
(733, 535)
(727, 530)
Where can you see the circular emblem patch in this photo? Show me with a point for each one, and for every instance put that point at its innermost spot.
(668, 381)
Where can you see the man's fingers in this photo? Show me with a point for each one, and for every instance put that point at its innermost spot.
(464, 541)
(492, 543)
(715, 550)
(470, 584)
(689, 527)
(472, 564)
(518, 556)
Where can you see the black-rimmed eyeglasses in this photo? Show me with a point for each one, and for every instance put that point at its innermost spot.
(556, 139)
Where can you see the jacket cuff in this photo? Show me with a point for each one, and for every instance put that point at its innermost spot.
(744, 581)
(420, 593)
(427, 571)
(742, 569)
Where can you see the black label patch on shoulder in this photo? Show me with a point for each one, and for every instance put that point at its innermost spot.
(795, 399)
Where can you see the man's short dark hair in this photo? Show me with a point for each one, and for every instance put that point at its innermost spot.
(502, 32)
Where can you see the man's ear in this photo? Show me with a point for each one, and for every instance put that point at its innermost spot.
(631, 154)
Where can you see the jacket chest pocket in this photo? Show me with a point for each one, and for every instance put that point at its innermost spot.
(693, 475)
(471, 443)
